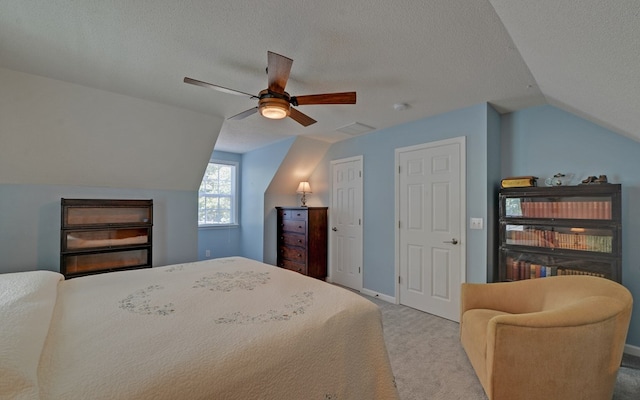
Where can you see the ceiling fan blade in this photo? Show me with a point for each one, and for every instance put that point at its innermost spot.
(245, 114)
(302, 119)
(278, 69)
(327, 98)
(216, 87)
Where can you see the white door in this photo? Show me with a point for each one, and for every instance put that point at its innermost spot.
(346, 223)
(431, 233)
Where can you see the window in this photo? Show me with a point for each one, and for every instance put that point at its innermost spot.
(217, 195)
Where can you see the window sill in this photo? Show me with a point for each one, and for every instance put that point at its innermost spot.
(226, 226)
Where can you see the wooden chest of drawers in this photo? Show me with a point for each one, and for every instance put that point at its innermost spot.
(302, 240)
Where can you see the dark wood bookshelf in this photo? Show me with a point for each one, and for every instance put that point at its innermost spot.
(104, 235)
(563, 230)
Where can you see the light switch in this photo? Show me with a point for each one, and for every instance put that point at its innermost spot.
(476, 223)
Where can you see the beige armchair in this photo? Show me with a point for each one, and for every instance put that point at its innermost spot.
(549, 338)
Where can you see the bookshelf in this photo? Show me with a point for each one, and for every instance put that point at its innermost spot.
(99, 235)
(568, 230)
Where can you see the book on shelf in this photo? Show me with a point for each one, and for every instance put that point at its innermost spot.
(567, 209)
(553, 239)
(518, 181)
(520, 270)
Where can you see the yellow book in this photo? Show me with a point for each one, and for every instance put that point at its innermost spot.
(518, 181)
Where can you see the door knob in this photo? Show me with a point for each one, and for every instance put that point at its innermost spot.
(334, 229)
(452, 241)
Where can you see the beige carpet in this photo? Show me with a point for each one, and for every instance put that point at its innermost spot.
(429, 362)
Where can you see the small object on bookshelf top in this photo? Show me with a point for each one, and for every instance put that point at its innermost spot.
(519, 181)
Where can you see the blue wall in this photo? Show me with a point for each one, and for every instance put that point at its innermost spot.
(542, 141)
(258, 169)
(223, 241)
(539, 141)
(30, 223)
(378, 149)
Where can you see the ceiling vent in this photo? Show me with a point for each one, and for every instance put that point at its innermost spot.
(355, 129)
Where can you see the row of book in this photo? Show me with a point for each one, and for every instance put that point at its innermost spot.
(553, 239)
(519, 270)
(566, 209)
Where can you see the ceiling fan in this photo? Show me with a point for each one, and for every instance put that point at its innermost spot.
(274, 102)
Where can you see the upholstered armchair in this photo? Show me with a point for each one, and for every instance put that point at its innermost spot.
(549, 338)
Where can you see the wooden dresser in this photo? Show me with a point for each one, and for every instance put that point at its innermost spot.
(302, 240)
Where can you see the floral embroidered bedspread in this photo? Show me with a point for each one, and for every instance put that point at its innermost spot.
(228, 328)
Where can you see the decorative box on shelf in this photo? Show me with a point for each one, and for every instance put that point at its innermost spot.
(565, 230)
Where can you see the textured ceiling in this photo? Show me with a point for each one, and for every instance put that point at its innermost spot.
(436, 56)
(584, 55)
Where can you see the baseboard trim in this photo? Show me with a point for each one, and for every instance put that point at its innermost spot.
(632, 350)
(385, 297)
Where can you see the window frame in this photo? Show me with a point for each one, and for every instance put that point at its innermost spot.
(234, 200)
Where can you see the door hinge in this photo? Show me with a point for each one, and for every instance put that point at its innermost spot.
(398, 279)
(360, 174)
(398, 169)
(359, 270)
(398, 224)
(359, 221)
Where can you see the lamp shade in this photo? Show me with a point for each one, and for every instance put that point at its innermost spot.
(304, 187)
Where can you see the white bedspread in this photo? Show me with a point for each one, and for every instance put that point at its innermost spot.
(229, 328)
(27, 300)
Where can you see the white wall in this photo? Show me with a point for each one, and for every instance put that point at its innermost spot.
(53, 132)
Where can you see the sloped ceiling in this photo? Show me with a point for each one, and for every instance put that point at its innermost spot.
(584, 55)
(53, 132)
(435, 56)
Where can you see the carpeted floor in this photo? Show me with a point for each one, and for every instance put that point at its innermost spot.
(429, 362)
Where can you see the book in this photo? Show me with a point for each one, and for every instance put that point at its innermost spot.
(519, 181)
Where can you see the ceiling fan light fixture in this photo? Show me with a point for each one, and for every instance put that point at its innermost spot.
(273, 106)
(274, 111)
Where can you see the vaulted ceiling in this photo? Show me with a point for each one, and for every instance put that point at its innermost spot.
(434, 56)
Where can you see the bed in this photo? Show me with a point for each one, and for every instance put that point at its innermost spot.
(229, 328)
